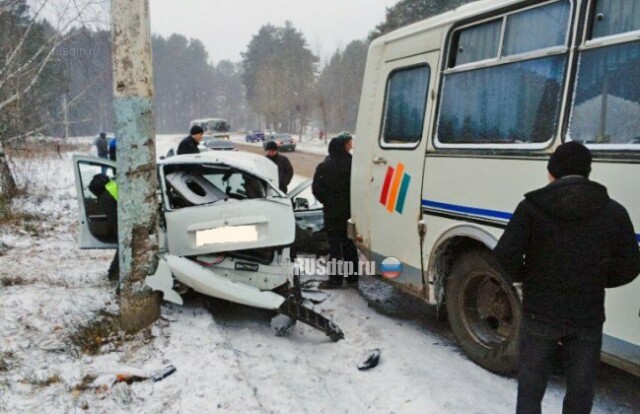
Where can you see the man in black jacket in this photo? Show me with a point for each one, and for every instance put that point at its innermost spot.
(107, 192)
(332, 187)
(189, 145)
(566, 243)
(285, 170)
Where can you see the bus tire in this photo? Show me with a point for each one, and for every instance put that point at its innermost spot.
(484, 312)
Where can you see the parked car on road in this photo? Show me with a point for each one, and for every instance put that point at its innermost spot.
(285, 142)
(255, 136)
(218, 144)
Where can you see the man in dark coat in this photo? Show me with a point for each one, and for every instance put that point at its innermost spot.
(566, 243)
(107, 192)
(189, 145)
(332, 187)
(285, 170)
(102, 146)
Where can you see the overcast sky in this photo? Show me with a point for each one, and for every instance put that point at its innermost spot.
(227, 26)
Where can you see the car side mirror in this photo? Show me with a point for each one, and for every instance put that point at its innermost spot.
(300, 203)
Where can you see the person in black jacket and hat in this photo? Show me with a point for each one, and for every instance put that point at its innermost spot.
(189, 145)
(566, 242)
(332, 187)
(285, 170)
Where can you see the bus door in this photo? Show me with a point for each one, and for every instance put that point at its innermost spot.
(397, 169)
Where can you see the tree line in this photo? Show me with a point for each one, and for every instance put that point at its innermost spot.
(58, 80)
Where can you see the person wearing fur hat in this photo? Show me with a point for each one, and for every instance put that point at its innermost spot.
(189, 145)
(285, 170)
(566, 243)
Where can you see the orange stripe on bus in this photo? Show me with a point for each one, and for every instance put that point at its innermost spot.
(393, 195)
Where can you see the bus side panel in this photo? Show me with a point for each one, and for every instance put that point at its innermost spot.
(622, 305)
(489, 188)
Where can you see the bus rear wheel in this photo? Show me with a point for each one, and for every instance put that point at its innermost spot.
(484, 312)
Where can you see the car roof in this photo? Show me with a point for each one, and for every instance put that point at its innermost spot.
(257, 165)
(209, 120)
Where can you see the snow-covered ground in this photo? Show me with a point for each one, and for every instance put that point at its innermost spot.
(228, 360)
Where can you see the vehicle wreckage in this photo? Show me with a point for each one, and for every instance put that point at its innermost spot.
(225, 231)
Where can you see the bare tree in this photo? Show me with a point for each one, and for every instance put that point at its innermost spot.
(28, 50)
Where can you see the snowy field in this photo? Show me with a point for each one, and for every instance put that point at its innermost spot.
(227, 360)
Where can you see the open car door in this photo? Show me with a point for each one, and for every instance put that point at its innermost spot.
(94, 230)
(311, 238)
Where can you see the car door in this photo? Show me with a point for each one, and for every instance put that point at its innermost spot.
(93, 224)
(310, 235)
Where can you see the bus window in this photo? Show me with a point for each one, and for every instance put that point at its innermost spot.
(405, 105)
(514, 100)
(535, 29)
(478, 43)
(514, 103)
(613, 17)
(606, 103)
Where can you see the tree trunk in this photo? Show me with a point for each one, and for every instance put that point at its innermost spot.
(136, 157)
(8, 186)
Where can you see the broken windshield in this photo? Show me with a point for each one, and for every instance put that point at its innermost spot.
(190, 185)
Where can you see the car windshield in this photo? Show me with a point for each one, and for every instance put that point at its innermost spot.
(190, 185)
(283, 137)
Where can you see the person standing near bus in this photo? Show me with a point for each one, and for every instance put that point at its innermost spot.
(332, 187)
(566, 243)
(189, 145)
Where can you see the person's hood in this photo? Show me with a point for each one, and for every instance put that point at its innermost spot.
(570, 198)
(337, 147)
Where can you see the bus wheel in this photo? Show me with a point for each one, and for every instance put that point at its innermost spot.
(484, 312)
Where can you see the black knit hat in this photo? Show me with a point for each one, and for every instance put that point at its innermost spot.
(570, 158)
(195, 130)
(271, 146)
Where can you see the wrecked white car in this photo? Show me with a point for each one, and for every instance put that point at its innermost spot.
(225, 231)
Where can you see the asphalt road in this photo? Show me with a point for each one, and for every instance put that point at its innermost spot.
(304, 163)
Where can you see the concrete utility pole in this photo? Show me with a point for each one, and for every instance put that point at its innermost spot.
(136, 157)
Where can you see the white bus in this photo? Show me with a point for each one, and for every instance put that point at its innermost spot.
(217, 128)
(458, 116)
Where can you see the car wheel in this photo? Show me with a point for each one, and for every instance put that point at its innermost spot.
(484, 312)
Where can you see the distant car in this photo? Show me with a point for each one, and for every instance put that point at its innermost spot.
(218, 144)
(256, 136)
(285, 142)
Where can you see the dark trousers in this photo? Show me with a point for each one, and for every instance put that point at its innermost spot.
(580, 350)
(342, 248)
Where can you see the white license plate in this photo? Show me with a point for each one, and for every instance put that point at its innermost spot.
(230, 234)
